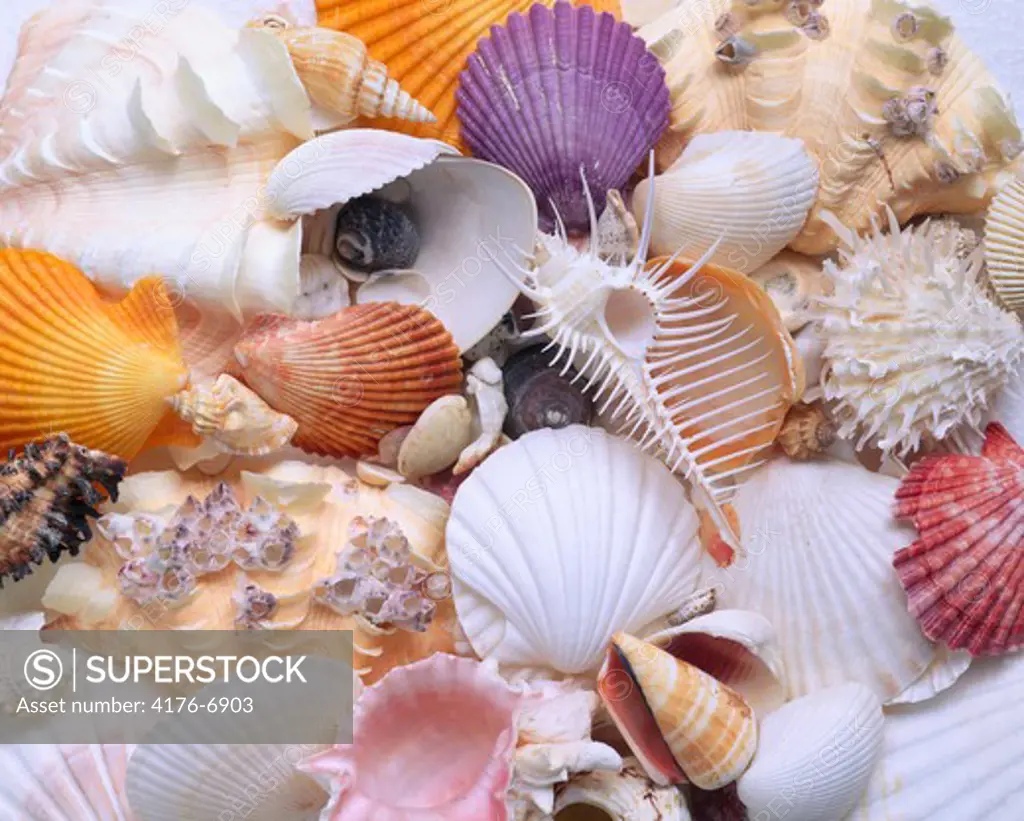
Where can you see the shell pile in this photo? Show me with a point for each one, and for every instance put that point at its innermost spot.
(624, 377)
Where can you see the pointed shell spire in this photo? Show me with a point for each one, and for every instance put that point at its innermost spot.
(708, 733)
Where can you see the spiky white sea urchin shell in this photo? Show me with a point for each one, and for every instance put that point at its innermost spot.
(913, 346)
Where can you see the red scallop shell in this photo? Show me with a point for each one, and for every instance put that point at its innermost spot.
(964, 576)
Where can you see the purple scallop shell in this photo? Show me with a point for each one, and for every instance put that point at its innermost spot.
(557, 90)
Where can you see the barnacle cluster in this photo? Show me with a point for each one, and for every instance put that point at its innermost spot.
(47, 496)
(164, 561)
(377, 579)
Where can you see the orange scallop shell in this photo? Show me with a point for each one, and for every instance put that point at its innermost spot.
(350, 378)
(425, 45)
(964, 576)
(72, 363)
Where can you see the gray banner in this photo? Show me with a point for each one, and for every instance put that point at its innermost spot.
(176, 687)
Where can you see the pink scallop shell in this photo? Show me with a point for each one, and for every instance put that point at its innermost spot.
(964, 576)
(558, 90)
(432, 740)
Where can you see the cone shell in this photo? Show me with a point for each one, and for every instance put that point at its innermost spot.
(818, 753)
(561, 92)
(751, 189)
(820, 538)
(350, 378)
(341, 77)
(1004, 245)
(956, 757)
(963, 575)
(65, 782)
(453, 712)
(846, 83)
(425, 46)
(709, 732)
(72, 363)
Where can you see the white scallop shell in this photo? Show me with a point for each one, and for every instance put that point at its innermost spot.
(815, 756)
(562, 538)
(752, 189)
(820, 537)
(957, 757)
(1004, 245)
(64, 782)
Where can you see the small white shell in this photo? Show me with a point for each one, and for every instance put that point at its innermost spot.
(377, 475)
(815, 755)
(791, 279)
(441, 433)
(1004, 245)
(624, 796)
(627, 548)
(752, 189)
(487, 397)
(944, 671)
(737, 647)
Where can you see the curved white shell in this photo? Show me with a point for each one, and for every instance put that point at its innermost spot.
(820, 537)
(64, 782)
(737, 647)
(1004, 245)
(752, 189)
(956, 757)
(624, 796)
(944, 671)
(468, 213)
(562, 538)
(815, 755)
(150, 156)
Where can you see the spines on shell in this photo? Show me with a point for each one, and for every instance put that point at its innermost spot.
(350, 378)
(963, 574)
(47, 496)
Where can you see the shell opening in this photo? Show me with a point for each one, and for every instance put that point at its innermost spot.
(629, 321)
(583, 812)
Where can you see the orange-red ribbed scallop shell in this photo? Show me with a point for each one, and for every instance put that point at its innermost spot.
(350, 378)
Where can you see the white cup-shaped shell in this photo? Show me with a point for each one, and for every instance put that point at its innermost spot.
(563, 538)
(815, 755)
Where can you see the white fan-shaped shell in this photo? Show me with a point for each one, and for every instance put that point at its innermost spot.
(1004, 244)
(815, 755)
(820, 537)
(957, 757)
(64, 782)
(752, 189)
(562, 538)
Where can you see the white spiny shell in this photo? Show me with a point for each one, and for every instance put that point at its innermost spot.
(914, 347)
(751, 189)
(815, 756)
(64, 782)
(1004, 244)
(1008, 407)
(737, 647)
(842, 86)
(626, 548)
(956, 757)
(820, 537)
(628, 795)
(152, 158)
